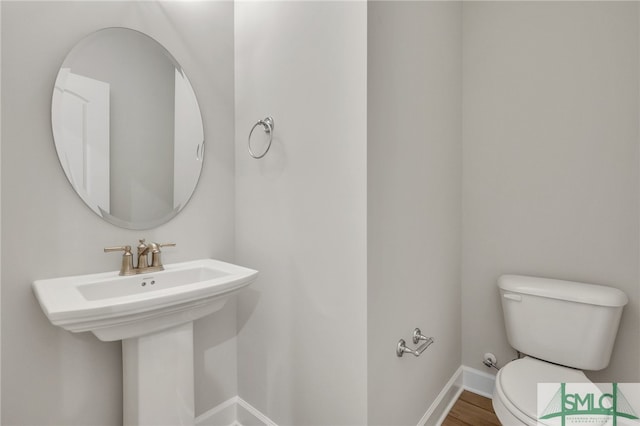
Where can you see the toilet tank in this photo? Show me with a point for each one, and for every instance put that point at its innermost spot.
(567, 323)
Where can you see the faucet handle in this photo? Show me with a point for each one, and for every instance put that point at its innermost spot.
(155, 253)
(155, 247)
(125, 249)
(127, 259)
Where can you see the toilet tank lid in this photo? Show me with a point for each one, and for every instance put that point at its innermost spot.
(565, 290)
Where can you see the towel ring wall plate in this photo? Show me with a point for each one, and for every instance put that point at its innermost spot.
(268, 125)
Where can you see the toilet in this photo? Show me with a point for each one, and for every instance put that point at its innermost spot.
(562, 327)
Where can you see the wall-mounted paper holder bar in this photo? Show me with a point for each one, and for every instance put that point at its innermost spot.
(402, 348)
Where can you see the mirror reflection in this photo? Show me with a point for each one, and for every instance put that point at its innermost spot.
(127, 128)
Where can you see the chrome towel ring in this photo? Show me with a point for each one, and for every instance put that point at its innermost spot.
(268, 125)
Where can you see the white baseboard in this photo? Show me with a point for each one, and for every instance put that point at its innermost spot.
(224, 414)
(238, 412)
(465, 378)
(477, 381)
(233, 412)
(444, 401)
(248, 415)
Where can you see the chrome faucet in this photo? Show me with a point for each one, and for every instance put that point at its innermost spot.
(143, 266)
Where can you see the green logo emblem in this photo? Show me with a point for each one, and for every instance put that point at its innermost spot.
(586, 404)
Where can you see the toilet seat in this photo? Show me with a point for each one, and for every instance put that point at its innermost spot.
(515, 394)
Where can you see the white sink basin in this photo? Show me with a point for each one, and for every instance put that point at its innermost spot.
(115, 307)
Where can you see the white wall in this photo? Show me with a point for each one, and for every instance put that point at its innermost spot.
(414, 184)
(51, 376)
(301, 211)
(550, 160)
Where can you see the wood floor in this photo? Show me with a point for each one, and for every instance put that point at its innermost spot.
(471, 410)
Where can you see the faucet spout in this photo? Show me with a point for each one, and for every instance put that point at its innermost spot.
(143, 250)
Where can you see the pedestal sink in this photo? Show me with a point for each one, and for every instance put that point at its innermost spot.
(153, 315)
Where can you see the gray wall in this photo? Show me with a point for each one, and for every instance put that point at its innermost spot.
(550, 160)
(301, 210)
(50, 376)
(414, 173)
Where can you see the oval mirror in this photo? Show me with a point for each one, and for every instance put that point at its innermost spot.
(127, 128)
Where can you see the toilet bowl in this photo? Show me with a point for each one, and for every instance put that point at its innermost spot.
(563, 327)
(516, 390)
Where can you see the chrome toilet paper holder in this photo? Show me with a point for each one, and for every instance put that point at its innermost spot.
(401, 347)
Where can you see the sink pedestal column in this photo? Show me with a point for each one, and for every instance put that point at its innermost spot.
(158, 378)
